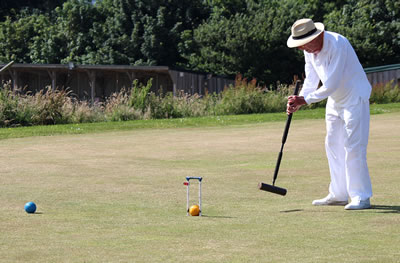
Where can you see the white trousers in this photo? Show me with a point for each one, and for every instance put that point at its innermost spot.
(346, 148)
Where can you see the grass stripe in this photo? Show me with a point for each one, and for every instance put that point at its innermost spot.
(211, 121)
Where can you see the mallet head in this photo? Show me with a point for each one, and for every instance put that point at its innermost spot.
(272, 189)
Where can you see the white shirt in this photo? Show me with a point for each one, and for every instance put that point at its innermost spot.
(337, 66)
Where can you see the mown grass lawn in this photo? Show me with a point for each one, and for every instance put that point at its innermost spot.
(117, 194)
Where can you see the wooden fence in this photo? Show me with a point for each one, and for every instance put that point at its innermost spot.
(97, 82)
(384, 74)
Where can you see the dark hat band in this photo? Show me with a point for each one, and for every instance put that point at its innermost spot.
(306, 35)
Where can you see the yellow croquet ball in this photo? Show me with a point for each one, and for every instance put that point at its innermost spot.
(194, 210)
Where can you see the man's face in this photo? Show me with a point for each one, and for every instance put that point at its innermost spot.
(314, 46)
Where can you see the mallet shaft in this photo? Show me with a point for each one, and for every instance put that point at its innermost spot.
(272, 188)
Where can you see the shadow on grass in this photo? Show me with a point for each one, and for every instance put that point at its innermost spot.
(387, 208)
(292, 211)
(36, 213)
(217, 216)
(381, 209)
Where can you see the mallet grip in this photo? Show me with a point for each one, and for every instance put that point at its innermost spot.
(289, 118)
(297, 88)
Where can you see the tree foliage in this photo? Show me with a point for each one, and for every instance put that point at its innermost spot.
(10, 8)
(219, 36)
(373, 27)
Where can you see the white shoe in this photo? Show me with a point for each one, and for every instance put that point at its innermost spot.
(357, 204)
(329, 200)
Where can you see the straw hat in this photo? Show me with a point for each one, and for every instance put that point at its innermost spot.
(304, 31)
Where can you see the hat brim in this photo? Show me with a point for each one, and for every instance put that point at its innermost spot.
(299, 42)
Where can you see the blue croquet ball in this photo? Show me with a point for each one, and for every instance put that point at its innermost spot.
(30, 207)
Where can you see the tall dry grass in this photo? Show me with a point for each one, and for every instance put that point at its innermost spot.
(385, 93)
(49, 106)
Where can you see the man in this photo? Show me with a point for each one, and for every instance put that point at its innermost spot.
(330, 58)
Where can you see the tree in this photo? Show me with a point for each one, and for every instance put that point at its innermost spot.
(75, 22)
(12, 7)
(219, 36)
(227, 8)
(25, 40)
(252, 43)
(142, 32)
(372, 26)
